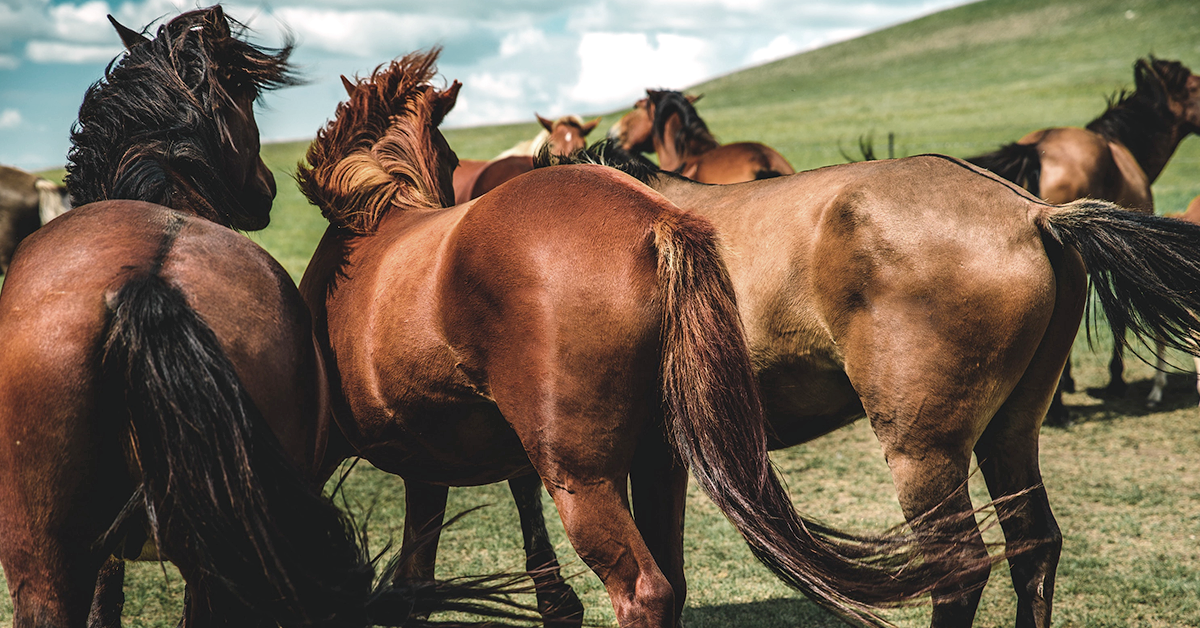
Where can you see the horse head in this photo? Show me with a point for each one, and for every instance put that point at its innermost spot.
(635, 130)
(1172, 87)
(567, 134)
(198, 77)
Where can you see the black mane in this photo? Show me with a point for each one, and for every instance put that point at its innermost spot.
(694, 136)
(151, 125)
(608, 152)
(1135, 118)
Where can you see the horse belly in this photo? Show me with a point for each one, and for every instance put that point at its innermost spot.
(464, 445)
(803, 400)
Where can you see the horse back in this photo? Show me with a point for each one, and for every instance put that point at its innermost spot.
(736, 163)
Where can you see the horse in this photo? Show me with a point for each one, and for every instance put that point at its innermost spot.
(567, 134)
(1115, 158)
(163, 396)
(666, 122)
(571, 328)
(27, 202)
(1192, 215)
(940, 301)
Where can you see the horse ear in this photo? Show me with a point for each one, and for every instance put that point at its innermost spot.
(445, 102)
(546, 124)
(589, 126)
(129, 37)
(347, 85)
(693, 99)
(218, 22)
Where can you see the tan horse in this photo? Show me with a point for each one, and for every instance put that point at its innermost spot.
(666, 123)
(1115, 158)
(1192, 215)
(555, 326)
(941, 302)
(473, 178)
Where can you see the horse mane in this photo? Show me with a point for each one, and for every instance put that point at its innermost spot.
(151, 129)
(1133, 118)
(377, 151)
(694, 136)
(608, 152)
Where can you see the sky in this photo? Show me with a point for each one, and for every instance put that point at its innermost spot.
(514, 57)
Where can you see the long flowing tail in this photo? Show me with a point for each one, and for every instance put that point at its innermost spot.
(1146, 269)
(220, 494)
(1019, 163)
(716, 423)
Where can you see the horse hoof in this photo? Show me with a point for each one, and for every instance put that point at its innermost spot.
(560, 608)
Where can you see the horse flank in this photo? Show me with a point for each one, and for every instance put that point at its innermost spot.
(377, 151)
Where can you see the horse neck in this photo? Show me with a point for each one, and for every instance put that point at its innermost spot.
(1149, 137)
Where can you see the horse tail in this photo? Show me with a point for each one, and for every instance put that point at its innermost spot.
(1144, 268)
(1019, 163)
(221, 496)
(52, 200)
(715, 421)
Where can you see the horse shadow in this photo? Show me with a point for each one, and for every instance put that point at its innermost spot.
(776, 612)
(1179, 394)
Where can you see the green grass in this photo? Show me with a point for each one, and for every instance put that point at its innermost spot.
(1122, 480)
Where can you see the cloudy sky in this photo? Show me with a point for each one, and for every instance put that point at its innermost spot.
(514, 57)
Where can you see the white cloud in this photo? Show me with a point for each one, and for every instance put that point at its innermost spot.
(617, 67)
(82, 23)
(9, 62)
(58, 52)
(10, 118)
(368, 33)
(524, 40)
(779, 47)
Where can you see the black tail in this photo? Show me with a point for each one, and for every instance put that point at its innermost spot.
(1019, 163)
(1146, 269)
(222, 498)
(717, 426)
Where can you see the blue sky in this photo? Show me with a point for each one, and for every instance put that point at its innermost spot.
(514, 57)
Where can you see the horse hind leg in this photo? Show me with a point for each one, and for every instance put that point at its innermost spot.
(424, 511)
(557, 602)
(659, 488)
(1160, 374)
(1116, 370)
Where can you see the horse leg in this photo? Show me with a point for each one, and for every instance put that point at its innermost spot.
(1160, 375)
(557, 602)
(1116, 369)
(109, 598)
(659, 488)
(424, 511)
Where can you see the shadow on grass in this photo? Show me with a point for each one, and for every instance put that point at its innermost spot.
(776, 612)
(1179, 394)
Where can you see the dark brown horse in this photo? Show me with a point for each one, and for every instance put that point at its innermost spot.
(161, 386)
(473, 178)
(1115, 158)
(27, 202)
(1192, 215)
(666, 122)
(556, 326)
(941, 302)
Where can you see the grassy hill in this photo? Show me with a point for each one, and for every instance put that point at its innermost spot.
(1123, 481)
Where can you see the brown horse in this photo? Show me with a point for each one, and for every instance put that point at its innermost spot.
(27, 202)
(555, 326)
(473, 178)
(666, 123)
(941, 302)
(1115, 158)
(161, 385)
(1192, 215)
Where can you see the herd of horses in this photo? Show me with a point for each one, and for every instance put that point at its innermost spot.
(599, 326)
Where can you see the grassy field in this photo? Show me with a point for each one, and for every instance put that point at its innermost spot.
(1123, 480)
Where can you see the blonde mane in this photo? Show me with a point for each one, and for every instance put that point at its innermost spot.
(378, 151)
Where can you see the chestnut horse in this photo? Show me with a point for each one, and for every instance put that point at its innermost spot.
(1115, 158)
(567, 134)
(666, 123)
(941, 302)
(27, 202)
(1192, 215)
(161, 385)
(571, 324)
